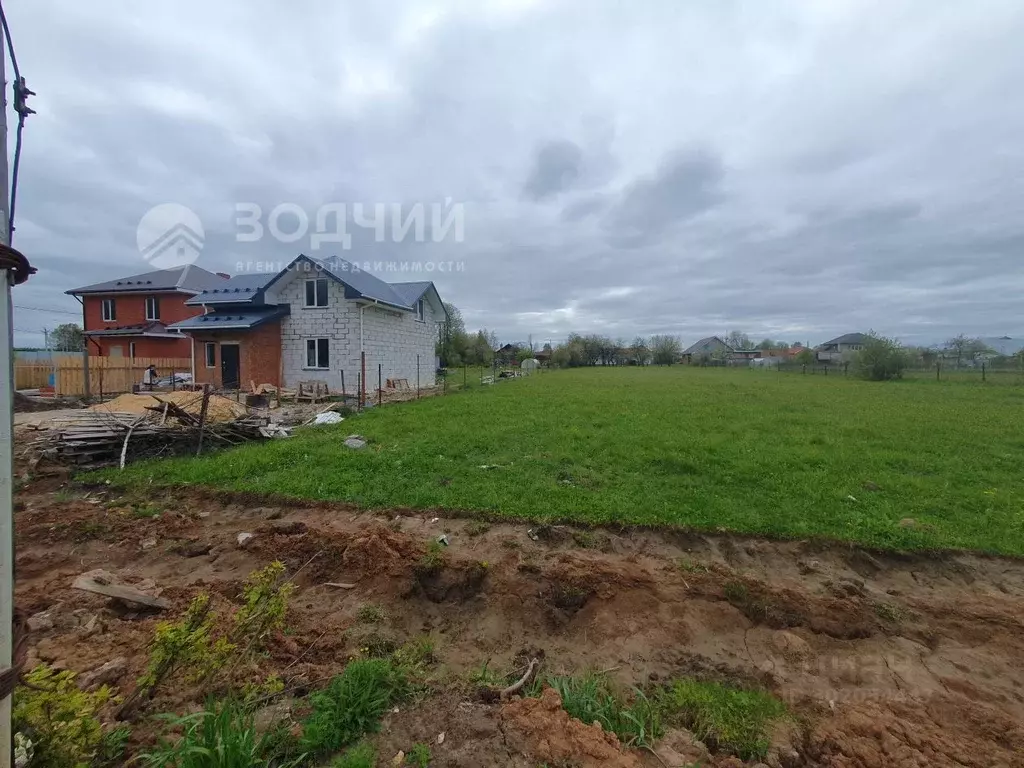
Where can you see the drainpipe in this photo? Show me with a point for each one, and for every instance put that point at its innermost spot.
(192, 349)
(361, 350)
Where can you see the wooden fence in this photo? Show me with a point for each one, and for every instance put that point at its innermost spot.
(107, 375)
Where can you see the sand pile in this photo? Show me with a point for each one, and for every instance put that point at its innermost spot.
(219, 409)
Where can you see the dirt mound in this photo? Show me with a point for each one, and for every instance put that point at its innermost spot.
(379, 550)
(943, 731)
(542, 729)
(219, 408)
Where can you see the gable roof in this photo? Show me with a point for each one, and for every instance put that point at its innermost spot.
(240, 289)
(187, 279)
(361, 284)
(703, 344)
(847, 338)
(411, 292)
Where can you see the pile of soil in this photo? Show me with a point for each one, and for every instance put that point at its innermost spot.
(219, 409)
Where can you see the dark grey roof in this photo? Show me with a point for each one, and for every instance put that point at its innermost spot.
(411, 292)
(226, 320)
(153, 328)
(240, 289)
(360, 283)
(188, 279)
(703, 344)
(847, 338)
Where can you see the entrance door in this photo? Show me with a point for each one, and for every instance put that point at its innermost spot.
(230, 376)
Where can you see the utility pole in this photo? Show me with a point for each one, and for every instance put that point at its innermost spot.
(14, 269)
(6, 440)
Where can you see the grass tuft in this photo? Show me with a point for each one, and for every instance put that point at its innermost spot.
(223, 735)
(728, 719)
(591, 698)
(362, 755)
(352, 705)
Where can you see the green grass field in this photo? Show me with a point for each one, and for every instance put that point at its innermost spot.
(752, 451)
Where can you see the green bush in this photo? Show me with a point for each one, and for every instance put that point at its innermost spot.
(728, 719)
(592, 699)
(352, 704)
(60, 720)
(224, 735)
(880, 359)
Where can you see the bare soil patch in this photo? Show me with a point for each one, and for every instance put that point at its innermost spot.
(885, 659)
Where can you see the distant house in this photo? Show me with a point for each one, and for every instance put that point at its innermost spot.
(708, 348)
(714, 348)
(1002, 346)
(841, 348)
(132, 316)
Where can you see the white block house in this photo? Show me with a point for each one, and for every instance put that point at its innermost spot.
(337, 311)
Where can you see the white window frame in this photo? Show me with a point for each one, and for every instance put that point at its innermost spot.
(315, 282)
(420, 311)
(153, 301)
(210, 346)
(111, 316)
(316, 354)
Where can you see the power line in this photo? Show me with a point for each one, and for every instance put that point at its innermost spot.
(44, 309)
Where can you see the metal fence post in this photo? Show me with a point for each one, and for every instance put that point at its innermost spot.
(938, 368)
(380, 385)
(417, 377)
(983, 371)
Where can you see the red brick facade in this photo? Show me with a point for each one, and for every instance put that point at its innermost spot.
(130, 309)
(259, 355)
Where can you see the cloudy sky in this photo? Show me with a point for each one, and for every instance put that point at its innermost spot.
(791, 169)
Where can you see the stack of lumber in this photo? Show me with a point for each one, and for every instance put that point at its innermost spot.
(156, 425)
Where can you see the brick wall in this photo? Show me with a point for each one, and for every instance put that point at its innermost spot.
(392, 338)
(131, 310)
(259, 355)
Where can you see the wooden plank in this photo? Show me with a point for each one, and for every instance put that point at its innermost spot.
(119, 592)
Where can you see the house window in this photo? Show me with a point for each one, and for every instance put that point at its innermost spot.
(419, 310)
(316, 292)
(109, 311)
(131, 349)
(152, 308)
(211, 354)
(318, 353)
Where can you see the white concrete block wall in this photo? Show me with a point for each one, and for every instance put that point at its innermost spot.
(390, 337)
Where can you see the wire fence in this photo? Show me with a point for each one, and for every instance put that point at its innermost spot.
(940, 371)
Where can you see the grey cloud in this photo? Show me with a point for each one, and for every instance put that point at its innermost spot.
(854, 190)
(557, 166)
(686, 184)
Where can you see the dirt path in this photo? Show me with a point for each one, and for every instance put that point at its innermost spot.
(889, 660)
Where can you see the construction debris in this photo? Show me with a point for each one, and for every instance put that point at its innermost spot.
(154, 425)
(103, 583)
(355, 442)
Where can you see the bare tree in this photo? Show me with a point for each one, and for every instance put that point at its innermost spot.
(965, 347)
(641, 350)
(738, 340)
(666, 350)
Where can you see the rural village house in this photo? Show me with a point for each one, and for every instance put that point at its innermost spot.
(311, 321)
(841, 348)
(131, 316)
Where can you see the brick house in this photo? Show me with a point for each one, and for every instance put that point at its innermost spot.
(131, 316)
(311, 321)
